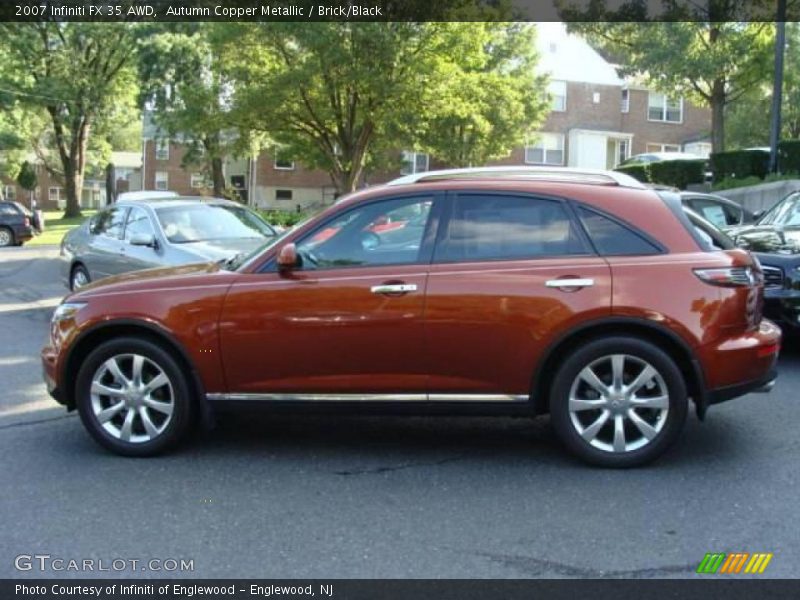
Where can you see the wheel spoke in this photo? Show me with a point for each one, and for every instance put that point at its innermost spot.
(642, 378)
(149, 426)
(647, 430)
(127, 426)
(138, 363)
(104, 390)
(617, 370)
(162, 407)
(577, 404)
(590, 377)
(619, 434)
(592, 430)
(113, 367)
(661, 402)
(108, 413)
(155, 383)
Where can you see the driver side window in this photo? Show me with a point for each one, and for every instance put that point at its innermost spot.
(379, 233)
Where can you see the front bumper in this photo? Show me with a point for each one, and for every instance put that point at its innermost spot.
(783, 307)
(49, 358)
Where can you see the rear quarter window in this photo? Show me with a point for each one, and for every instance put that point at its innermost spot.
(612, 238)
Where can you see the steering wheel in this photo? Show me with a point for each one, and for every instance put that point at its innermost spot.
(370, 240)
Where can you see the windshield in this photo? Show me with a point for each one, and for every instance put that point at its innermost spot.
(205, 222)
(786, 212)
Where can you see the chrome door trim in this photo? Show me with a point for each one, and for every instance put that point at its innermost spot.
(560, 283)
(369, 397)
(394, 288)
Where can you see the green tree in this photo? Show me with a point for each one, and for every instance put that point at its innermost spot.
(342, 96)
(713, 62)
(78, 74)
(189, 95)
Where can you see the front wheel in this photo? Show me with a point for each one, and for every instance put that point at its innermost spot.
(618, 402)
(133, 397)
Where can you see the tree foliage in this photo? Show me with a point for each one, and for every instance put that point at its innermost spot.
(712, 60)
(343, 96)
(80, 76)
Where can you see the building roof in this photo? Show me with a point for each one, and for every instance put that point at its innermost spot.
(569, 57)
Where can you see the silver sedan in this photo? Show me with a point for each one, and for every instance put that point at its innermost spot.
(149, 233)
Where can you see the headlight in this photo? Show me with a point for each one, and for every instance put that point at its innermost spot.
(67, 311)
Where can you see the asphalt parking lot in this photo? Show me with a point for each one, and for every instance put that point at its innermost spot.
(292, 496)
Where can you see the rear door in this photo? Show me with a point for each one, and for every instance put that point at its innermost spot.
(511, 273)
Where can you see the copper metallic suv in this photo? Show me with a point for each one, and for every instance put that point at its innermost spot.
(506, 291)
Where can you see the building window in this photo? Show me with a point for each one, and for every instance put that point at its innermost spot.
(662, 108)
(558, 95)
(54, 194)
(283, 194)
(414, 162)
(162, 149)
(625, 104)
(663, 147)
(547, 149)
(282, 163)
(198, 180)
(623, 150)
(10, 192)
(162, 180)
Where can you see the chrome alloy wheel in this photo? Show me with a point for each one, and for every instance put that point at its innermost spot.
(132, 398)
(618, 403)
(79, 279)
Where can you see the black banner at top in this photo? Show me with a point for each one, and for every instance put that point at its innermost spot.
(392, 10)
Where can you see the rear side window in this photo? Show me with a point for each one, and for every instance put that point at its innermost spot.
(612, 238)
(8, 209)
(502, 227)
(110, 222)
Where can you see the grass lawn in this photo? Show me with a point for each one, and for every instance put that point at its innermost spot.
(55, 226)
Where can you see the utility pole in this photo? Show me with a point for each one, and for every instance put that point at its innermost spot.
(777, 90)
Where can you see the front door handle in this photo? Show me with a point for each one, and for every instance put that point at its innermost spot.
(569, 283)
(394, 288)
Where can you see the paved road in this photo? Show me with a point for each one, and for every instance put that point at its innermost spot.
(384, 497)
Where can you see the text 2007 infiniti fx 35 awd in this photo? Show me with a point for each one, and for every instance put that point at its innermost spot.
(491, 291)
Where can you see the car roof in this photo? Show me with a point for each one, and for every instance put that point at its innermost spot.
(179, 201)
(145, 195)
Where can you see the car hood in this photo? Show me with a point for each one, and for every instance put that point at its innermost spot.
(213, 250)
(767, 238)
(195, 274)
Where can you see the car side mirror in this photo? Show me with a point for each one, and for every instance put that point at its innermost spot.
(287, 257)
(143, 239)
(757, 215)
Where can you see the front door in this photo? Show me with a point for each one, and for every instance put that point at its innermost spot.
(348, 320)
(510, 273)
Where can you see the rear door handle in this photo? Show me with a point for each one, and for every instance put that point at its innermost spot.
(569, 283)
(394, 288)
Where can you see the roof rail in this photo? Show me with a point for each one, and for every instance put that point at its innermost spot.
(563, 174)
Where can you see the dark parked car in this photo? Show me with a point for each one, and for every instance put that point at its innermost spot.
(497, 298)
(775, 240)
(16, 224)
(155, 232)
(721, 212)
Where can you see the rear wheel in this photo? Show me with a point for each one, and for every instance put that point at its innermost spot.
(618, 402)
(6, 237)
(133, 397)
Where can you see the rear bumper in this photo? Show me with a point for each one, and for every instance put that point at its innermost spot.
(762, 385)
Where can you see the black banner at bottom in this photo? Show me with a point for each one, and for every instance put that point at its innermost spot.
(371, 589)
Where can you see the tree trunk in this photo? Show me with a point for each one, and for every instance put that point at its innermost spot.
(73, 186)
(111, 184)
(718, 115)
(218, 177)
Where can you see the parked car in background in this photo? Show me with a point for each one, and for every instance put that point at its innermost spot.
(164, 231)
(722, 212)
(146, 195)
(495, 296)
(16, 224)
(775, 240)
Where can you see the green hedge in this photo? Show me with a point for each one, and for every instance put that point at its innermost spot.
(789, 156)
(739, 164)
(678, 173)
(640, 172)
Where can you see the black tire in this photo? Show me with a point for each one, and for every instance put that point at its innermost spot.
(76, 271)
(596, 352)
(178, 424)
(7, 239)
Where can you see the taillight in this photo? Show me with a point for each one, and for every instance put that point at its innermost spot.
(728, 276)
(27, 222)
